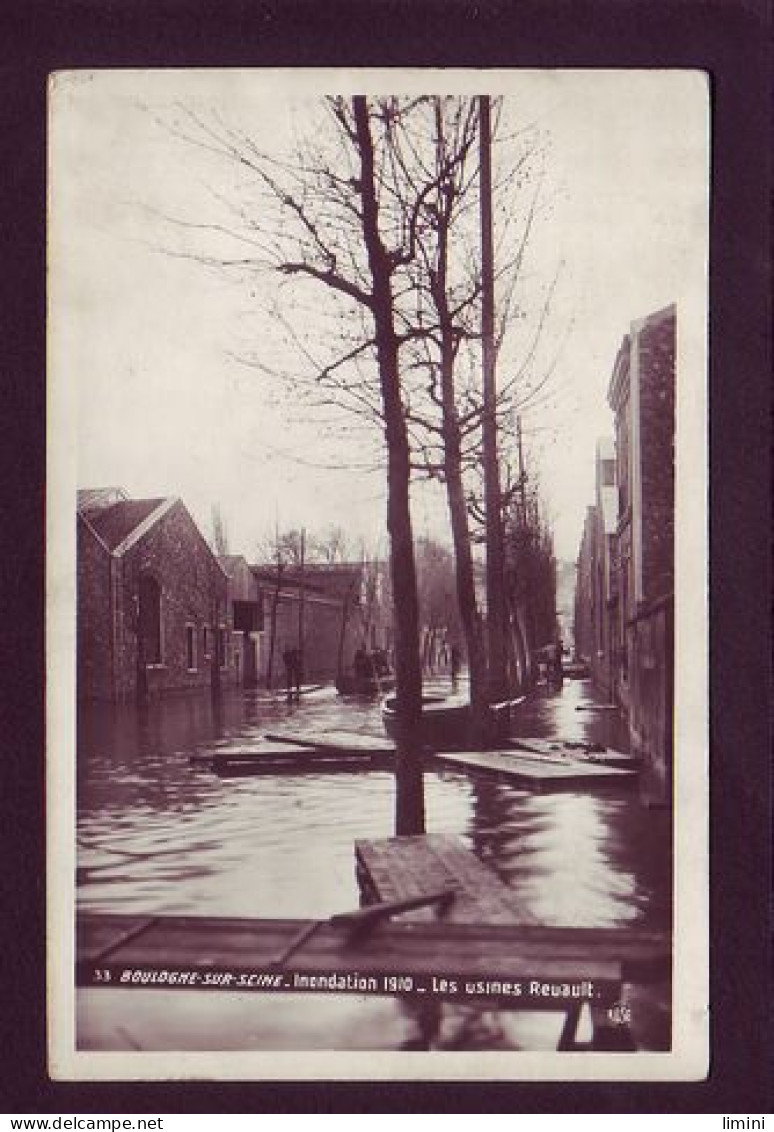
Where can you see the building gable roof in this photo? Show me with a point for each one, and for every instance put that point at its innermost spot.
(92, 499)
(116, 523)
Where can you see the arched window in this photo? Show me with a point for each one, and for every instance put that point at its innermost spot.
(150, 619)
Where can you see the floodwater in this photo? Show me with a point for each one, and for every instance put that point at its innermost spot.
(159, 834)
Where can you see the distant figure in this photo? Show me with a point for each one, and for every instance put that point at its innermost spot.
(559, 664)
(362, 664)
(555, 673)
(292, 659)
(455, 665)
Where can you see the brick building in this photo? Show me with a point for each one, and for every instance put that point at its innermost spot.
(597, 589)
(152, 600)
(607, 654)
(585, 589)
(321, 612)
(246, 616)
(625, 569)
(642, 397)
(159, 612)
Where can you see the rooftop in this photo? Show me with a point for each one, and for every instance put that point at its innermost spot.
(115, 522)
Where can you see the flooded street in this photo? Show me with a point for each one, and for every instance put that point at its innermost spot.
(158, 834)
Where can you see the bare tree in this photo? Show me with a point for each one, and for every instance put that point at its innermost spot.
(338, 222)
(219, 530)
(372, 214)
(330, 546)
(446, 407)
(436, 573)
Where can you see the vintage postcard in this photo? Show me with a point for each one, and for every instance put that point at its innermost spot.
(377, 574)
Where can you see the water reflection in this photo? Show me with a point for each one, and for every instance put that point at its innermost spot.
(589, 860)
(158, 834)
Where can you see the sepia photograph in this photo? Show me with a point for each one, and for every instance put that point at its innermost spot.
(377, 574)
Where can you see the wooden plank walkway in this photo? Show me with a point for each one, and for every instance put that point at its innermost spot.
(397, 868)
(537, 770)
(218, 950)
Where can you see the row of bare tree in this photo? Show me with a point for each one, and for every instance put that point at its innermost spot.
(379, 213)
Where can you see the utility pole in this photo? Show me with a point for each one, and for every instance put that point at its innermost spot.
(496, 609)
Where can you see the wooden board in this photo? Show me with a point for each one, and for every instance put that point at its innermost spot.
(349, 742)
(202, 945)
(304, 690)
(262, 750)
(397, 868)
(322, 764)
(295, 752)
(536, 770)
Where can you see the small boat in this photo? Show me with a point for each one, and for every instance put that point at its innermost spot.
(446, 721)
(351, 684)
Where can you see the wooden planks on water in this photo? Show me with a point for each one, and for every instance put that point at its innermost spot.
(296, 761)
(537, 770)
(540, 763)
(303, 753)
(345, 742)
(307, 753)
(397, 868)
(219, 950)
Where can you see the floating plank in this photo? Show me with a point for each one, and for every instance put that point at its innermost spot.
(296, 760)
(230, 954)
(398, 868)
(324, 764)
(537, 771)
(345, 742)
(304, 690)
(503, 704)
(294, 751)
(261, 751)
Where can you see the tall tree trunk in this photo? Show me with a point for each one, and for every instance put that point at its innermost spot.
(409, 805)
(496, 611)
(466, 588)
(472, 626)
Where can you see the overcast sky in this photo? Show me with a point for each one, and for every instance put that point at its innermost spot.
(140, 340)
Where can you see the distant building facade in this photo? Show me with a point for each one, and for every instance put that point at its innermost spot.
(565, 604)
(245, 607)
(625, 570)
(596, 598)
(158, 612)
(642, 397)
(322, 611)
(152, 600)
(585, 590)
